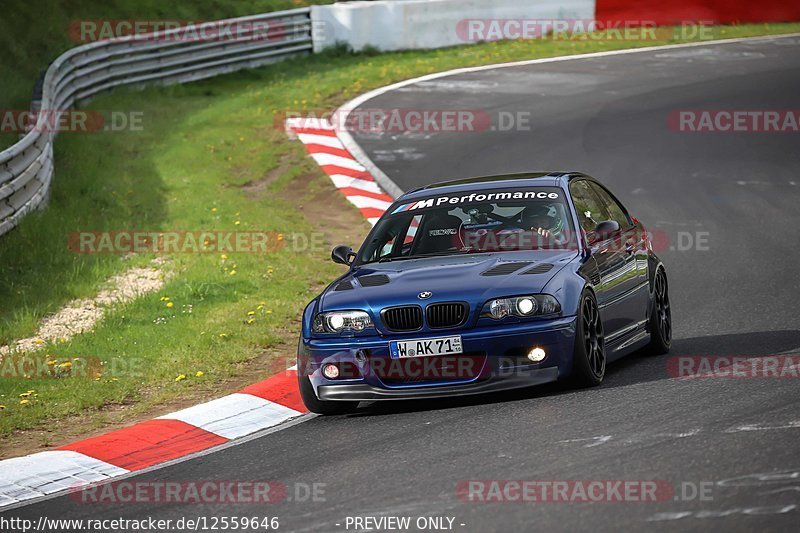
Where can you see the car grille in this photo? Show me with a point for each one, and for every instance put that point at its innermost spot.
(541, 268)
(503, 269)
(373, 281)
(408, 318)
(344, 286)
(446, 315)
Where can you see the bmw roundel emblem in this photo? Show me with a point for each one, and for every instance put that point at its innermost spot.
(424, 295)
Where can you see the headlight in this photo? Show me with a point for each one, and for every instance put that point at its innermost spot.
(339, 321)
(521, 306)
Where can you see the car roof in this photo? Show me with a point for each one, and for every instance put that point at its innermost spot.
(500, 181)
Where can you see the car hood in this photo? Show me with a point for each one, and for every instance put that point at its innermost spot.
(473, 278)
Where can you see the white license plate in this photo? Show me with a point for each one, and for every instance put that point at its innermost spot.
(426, 347)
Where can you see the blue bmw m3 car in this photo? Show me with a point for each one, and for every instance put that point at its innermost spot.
(485, 284)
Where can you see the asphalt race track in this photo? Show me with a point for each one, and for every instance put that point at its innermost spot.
(736, 294)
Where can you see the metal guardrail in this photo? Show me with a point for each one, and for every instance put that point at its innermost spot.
(175, 56)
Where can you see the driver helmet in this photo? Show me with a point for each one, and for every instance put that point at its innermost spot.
(538, 216)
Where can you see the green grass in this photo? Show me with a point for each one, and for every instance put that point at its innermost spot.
(200, 143)
(34, 32)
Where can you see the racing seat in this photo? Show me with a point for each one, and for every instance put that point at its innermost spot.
(439, 232)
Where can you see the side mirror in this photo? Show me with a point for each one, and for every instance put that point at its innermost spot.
(343, 255)
(603, 231)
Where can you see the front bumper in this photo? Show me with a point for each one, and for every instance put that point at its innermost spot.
(502, 348)
(364, 392)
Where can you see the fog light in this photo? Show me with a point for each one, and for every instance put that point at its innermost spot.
(330, 371)
(536, 355)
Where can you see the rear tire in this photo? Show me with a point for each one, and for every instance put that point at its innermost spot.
(589, 354)
(321, 407)
(660, 324)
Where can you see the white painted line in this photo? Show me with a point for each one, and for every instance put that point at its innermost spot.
(795, 424)
(366, 201)
(40, 474)
(341, 181)
(395, 190)
(330, 159)
(235, 415)
(324, 140)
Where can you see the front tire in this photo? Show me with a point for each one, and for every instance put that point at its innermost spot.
(660, 325)
(589, 354)
(321, 407)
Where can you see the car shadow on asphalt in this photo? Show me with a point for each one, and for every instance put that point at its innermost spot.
(636, 368)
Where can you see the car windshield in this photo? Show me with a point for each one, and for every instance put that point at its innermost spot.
(474, 222)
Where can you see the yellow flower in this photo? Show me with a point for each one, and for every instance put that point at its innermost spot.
(2, 407)
(65, 364)
(241, 138)
(223, 335)
(223, 256)
(165, 298)
(251, 313)
(170, 304)
(180, 377)
(260, 307)
(24, 402)
(213, 209)
(269, 311)
(280, 236)
(38, 341)
(251, 320)
(25, 394)
(199, 374)
(237, 223)
(232, 273)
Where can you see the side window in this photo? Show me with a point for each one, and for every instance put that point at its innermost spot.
(614, 209)
(590, 210)
(398, 239)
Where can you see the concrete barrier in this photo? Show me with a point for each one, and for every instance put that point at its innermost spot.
(414, 24)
